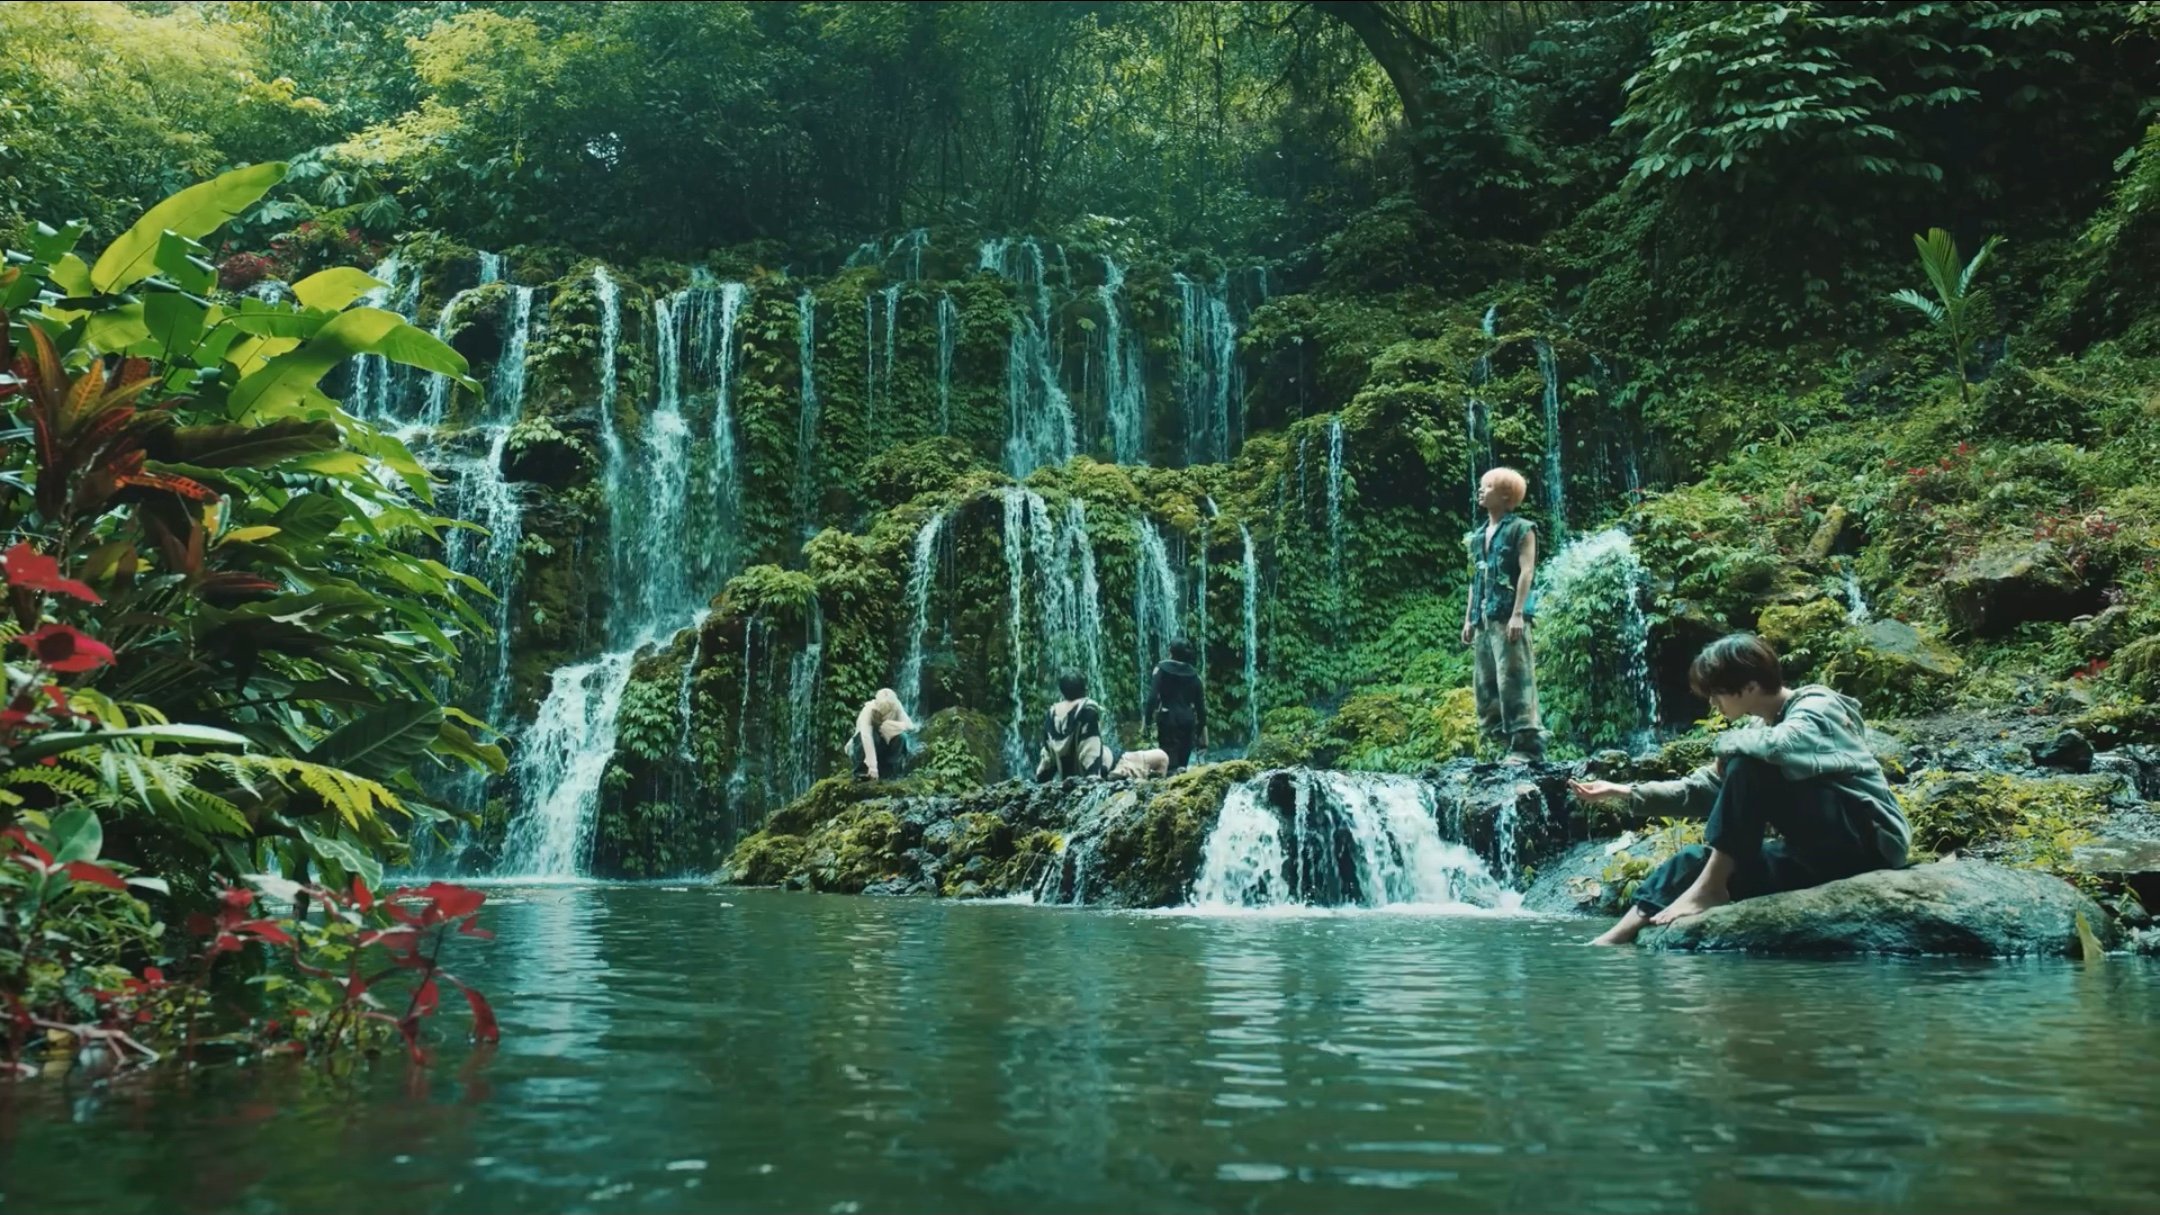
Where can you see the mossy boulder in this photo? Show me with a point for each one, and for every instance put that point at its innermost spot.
(1890, 665)
(973, 734)
(1963, 907)
(1151, 856)
(2137, 668)
(826, 800)
(1999, 588)
(1804, 634)
(863, 845)
(764, 859)
(2031, 822)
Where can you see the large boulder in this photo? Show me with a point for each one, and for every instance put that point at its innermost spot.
(1963, 907)
(1998, 589)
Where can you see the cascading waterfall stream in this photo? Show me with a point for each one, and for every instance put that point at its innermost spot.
(806, 427)
(378, 382)
(561, 758)
(921, 574)
(1015, 506)
(1039, 425)
(724, 485)
(1856, 604)
(1555, 485)
(1252, 634)
(1157, 600)
(1347, 839)
(805, 680)
(948, 327)
(1124, 377)
(1210, 385)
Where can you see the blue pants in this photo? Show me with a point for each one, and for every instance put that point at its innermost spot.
(1823, 835)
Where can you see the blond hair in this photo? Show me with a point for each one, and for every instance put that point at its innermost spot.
(1510, 484)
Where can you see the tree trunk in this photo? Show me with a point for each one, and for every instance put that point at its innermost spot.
(1394, 48)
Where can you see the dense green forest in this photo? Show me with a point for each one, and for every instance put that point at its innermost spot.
(1842, 310)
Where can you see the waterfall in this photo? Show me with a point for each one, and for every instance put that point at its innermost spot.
(1038, 415)
(1058, 558)
(804, 672)
(1015, 504)
(1334, 513)
(1347, 839)
(484, 497)
(1492, 319)
(653, 589)
(685, 715)
(724, 474)
(869, 357)
(921, 574)
(507, 382)
(1477, 419)
(948, 325)
(912, 244)
(1157, 601)
(739, 778)
(1856, 604)
(1124, 377)
(806, 430)
(892, 319)
(376, 380)
(1597, 583)
(1252, 633)
(1208, 376)
(560, 761)
(1555, 487)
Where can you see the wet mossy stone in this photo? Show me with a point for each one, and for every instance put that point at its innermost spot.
(1962, 907)
(826, 800)
(1149, 858)
(764, 859)
(1998, 589)
(2137, 668)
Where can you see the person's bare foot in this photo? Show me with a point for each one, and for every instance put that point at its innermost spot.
(1623, 933)
(1694, 902)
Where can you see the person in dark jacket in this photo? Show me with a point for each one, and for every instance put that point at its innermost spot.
(1177, 705)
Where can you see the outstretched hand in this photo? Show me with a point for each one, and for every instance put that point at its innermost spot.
(1599, 790)
(1469, 633)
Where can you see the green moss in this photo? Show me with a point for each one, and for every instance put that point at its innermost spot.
(2029, 823)
(826, 800)
(1151, 856)
(765, 859)
(2136, 668)
(861, 845)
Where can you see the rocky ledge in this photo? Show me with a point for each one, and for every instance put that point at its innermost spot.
(1963, 907)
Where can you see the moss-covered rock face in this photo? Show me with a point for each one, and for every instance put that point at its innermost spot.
(1151, 855)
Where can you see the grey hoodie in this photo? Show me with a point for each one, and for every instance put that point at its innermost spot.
(1820, 735)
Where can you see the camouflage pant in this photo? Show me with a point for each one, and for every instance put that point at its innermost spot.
(1506, 686)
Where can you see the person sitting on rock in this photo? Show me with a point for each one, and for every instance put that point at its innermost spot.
(1073, 735)
(1497, 616)
(879, 743)
(1141, 765)
(1177, 705)
(1807, 772)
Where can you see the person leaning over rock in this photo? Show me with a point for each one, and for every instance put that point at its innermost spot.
(1141, 765)
(1807, 772)
(1496, 619)
(878, 744)
(1073, 734)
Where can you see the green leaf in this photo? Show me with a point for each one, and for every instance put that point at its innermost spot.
(182, 263)
(62, 741)
(72, 276)
(194, 212)
(246, 446)
(288, 379)
(310, 518)
(76, 836)
(382, 743)
(344, 853)
(277, 323)
(174, 321)
(334, 288)
(116, 329)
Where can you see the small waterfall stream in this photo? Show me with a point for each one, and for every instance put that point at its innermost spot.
(1158, 600)
(948, 328)
(806, 478)
(1599, 582)
(1124, 377)
(1357, 839)
(1555, 481)
(1039, 425)
(1208, 378)
(1252, 634)
(921, 574)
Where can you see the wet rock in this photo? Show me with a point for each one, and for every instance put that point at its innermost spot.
(2137, 668)
(2102, 634)
(2137, 764)
(1998, 589)
(1962, 907)
(1891, 660)
(2132, 861)
(539, 453)
(2068, 751)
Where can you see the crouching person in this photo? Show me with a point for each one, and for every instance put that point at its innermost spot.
(1807, 772)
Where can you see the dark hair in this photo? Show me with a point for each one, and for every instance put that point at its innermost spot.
(1731, 663)
(1181, 650)
(1072, 685)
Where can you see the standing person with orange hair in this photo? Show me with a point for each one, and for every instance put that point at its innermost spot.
(1496, 620)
